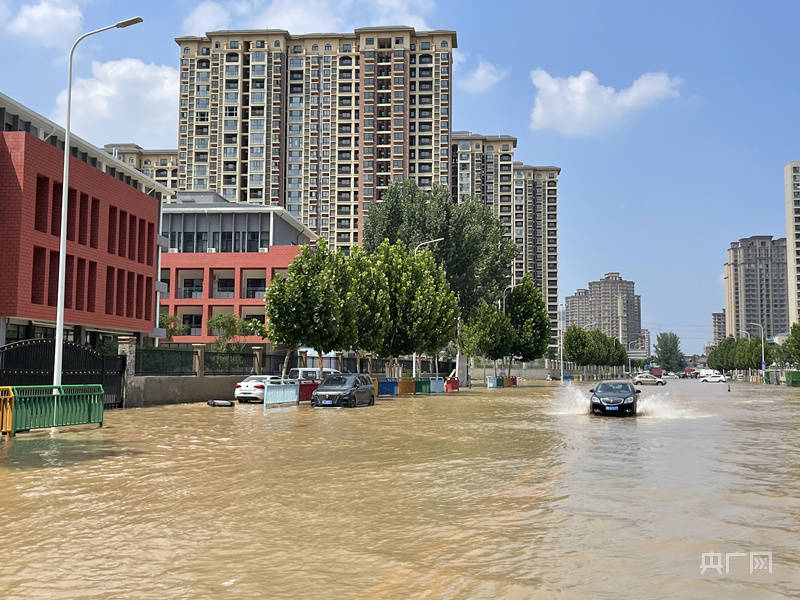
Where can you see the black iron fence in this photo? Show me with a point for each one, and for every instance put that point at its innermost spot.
(164, 361)
(228, 363)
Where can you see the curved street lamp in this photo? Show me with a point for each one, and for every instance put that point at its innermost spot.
(62, 242)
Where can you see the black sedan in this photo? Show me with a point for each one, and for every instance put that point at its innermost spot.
(344, 390)
(614, 398)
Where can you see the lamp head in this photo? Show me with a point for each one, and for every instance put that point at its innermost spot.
(129, 22)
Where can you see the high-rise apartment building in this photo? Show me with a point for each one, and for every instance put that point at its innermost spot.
(755, 286)
(791, 178)
(536, 202)
(320, 124)
(612, 306)
(577, 309)
(523, 197)
(161, 165)
(718, 327)
(616, 308)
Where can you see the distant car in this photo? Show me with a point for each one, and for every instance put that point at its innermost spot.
(714, 378)
(614, 398)
(344, 390)
(682, 375)
(670, 376)
(251, 389)
(648, 379)
(740, 377)
(310, 373)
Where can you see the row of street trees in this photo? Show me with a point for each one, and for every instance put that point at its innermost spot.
(740, 354)
(593, 348)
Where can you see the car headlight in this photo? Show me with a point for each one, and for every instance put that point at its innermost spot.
(595, 400)
(629, 400)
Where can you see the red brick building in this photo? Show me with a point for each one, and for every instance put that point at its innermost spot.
(222, 257)
(112, 235)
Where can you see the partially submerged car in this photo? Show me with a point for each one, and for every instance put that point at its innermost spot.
(344, 390)
(251, 389)
(616, 398)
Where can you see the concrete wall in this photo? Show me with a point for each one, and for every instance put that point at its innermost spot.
(157, 390)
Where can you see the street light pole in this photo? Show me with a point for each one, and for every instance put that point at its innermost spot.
(62, 242)
(763, 366)
(561, 343)
(418, 246)
(747, 333)
(630, 369)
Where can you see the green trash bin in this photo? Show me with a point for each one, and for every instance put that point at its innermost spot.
(422, 385)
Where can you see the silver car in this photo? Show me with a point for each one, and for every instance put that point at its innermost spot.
(648, 379)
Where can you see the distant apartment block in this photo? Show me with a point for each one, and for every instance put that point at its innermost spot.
(610, 305)
(791, 178)
(320, 124)
(755, 286)
(718, 327)
(644, 341)
(222, 256)
(161, 165)
(577, 309)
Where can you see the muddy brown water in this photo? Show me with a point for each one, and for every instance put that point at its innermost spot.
(485, 494)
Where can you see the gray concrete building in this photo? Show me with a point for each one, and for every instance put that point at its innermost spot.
(718, 327)
(612, 306)
(756, 286)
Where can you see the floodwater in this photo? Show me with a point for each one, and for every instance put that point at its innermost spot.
(486, 494)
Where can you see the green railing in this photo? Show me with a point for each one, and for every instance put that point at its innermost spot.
(38, 406)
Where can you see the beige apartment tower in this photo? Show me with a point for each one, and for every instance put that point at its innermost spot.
(161, 165)
(718, 327)
(319, 123)
(791, 178)
(755, 287)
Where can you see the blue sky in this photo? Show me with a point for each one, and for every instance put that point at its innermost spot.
(671, 121)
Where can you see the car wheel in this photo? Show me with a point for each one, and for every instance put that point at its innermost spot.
(352, 403)
(372, 400)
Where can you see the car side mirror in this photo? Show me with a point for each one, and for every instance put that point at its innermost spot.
(637, 391)
(591, 391)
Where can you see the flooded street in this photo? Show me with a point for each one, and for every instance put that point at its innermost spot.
(487, 494)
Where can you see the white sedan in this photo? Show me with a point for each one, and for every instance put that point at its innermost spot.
(714, 378)
(252, 388)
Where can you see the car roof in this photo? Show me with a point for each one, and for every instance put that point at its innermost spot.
(615, 381)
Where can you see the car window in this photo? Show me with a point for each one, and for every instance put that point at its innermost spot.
(255, 378)
(336, 380)
(613, 387)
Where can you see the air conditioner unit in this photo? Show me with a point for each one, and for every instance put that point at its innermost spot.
(211, 249)
(173, 249)
(263, 249)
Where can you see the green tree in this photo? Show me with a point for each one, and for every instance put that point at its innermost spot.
(423, 310)
(488, 333)
(306, 307)
(597, 348)
(792, 344)
(172, 325)
(576, 341)
(527, 312)
(780, 355)
(742, 355)
(722, 358)
(473, 252)
(366, 302)
(668, 351)
(230, 328)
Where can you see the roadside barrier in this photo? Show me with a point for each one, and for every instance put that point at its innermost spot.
(422, 385)
(494, 382)
(386, 386)
(436, 385)
(513, 381)
(451, 384)
(405, 385)
(306, 387)
(40, 406)
(281, 391)
(6, 410)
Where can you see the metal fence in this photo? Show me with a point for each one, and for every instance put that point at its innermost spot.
(228, 363)
(155, 361)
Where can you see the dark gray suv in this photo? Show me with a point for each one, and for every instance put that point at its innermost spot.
(344, 390)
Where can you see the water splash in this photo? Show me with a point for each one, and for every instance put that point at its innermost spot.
(658, 404)
(570, 399)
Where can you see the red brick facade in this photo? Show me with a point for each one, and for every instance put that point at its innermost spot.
(111, 241)
(206, 266)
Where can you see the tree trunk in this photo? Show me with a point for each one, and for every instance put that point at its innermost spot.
(358, 362)
(495, 367)
(510, 363)
(369, 363)
(286, 361)
(436, 363)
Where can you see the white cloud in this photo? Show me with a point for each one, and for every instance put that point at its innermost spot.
(206, 16)
(50, 23)
(124, 101)
(400, 12)
(580, 106)
(310, 16)
(482, 78)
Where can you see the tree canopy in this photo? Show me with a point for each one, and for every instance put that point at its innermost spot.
(528, 316)
(488, 332)
(668, 351)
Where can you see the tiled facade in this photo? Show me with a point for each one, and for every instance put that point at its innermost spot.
(319, 124)
(161, 165)
(791, 178)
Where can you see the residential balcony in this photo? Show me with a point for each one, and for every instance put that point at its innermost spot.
(190, 292)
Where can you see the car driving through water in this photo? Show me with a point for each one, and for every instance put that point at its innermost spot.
(616, 398)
